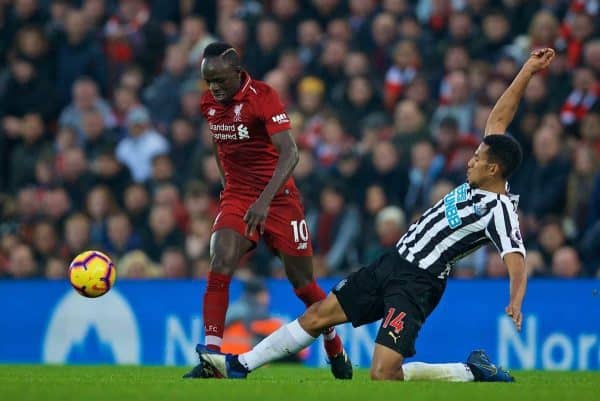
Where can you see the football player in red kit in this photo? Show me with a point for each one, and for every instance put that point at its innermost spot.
(256, 155)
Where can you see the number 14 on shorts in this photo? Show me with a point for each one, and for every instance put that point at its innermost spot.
(396, 322)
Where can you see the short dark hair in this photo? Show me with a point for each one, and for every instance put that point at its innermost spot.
(506, 151)
(225, 52)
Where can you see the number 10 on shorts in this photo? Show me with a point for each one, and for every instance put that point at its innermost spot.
(300, 230)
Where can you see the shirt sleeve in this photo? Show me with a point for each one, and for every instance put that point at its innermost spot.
(272, 112)
(503, 229)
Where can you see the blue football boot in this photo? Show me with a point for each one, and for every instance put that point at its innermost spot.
(484, 370)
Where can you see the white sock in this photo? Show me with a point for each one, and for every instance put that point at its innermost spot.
(213, 340)
(286, 340)
(450, 372)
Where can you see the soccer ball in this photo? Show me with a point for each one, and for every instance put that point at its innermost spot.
(92, 274)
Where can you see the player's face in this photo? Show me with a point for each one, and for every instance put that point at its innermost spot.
(222, 79)
(479, 169)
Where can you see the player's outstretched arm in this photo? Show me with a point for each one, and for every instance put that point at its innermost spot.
(288, 158)
(515, 262)
(505, 108)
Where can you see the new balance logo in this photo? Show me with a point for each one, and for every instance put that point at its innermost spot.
(211, 112)
(302, 246)
(243, 132)
(280, 118)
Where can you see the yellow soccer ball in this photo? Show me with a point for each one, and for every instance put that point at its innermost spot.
(92, 274)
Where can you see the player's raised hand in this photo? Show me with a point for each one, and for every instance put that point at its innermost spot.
(539, 59)
(256, 217)
(515, 314)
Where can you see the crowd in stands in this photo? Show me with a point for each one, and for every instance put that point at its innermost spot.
(102, 144)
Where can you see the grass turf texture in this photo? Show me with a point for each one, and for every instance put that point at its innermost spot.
(277, 383)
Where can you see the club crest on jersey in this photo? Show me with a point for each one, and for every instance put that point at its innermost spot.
(515, 234)
(237, 112)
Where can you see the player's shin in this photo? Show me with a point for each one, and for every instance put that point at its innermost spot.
(216, 301)
(451, 372)
(285, 341)
(311, 294)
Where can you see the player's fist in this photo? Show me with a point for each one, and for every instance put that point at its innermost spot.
(515, 314)
(539, 59)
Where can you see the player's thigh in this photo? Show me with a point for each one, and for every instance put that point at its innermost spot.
(227, 246)
(386, 364)
(323, 314)
(286, 230)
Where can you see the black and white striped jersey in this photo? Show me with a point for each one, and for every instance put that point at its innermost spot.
(465, 219)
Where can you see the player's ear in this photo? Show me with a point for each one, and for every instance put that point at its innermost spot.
(494, 169)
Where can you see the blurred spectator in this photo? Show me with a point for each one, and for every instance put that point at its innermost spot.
(120, 236)
(136, 264)
(107, 170)
(33, 146)
(132, 37)
(22, 263)
(77, 54)
(162, 95)
(542, 180)
(77, 235)
(566, 263)
(535, 264)
(390, 226)
(75, 178)
(99, 205)
(137, 206)
(163, 232)
(334, 230)
(86, 98)
(459, 104)
(56, 269)
(426, 167)
(141, 145)
(174, 263)
(262, 56)
(184, 143)
(360, 100)
(581, 183)
(551, 237)
(195, 38)
(197, 243)
(409, 125)
(387, 169)
(406, 62)
(583, 98)
(26, 91)
(97, 138)
(45, 242)
(494, 267)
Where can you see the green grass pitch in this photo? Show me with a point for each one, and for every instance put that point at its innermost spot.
(273, 383)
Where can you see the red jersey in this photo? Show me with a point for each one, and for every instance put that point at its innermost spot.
(242, 131)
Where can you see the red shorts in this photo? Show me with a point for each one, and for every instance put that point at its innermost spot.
(285, 227)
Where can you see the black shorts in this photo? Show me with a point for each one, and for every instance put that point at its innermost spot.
(392, 289)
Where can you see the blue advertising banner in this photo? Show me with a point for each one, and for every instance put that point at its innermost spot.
(159, 323)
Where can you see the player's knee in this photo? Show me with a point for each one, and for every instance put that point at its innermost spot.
(313, 320)
(223, 263)
(380, 372)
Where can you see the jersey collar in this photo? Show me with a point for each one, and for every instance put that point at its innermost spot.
(241, 93)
